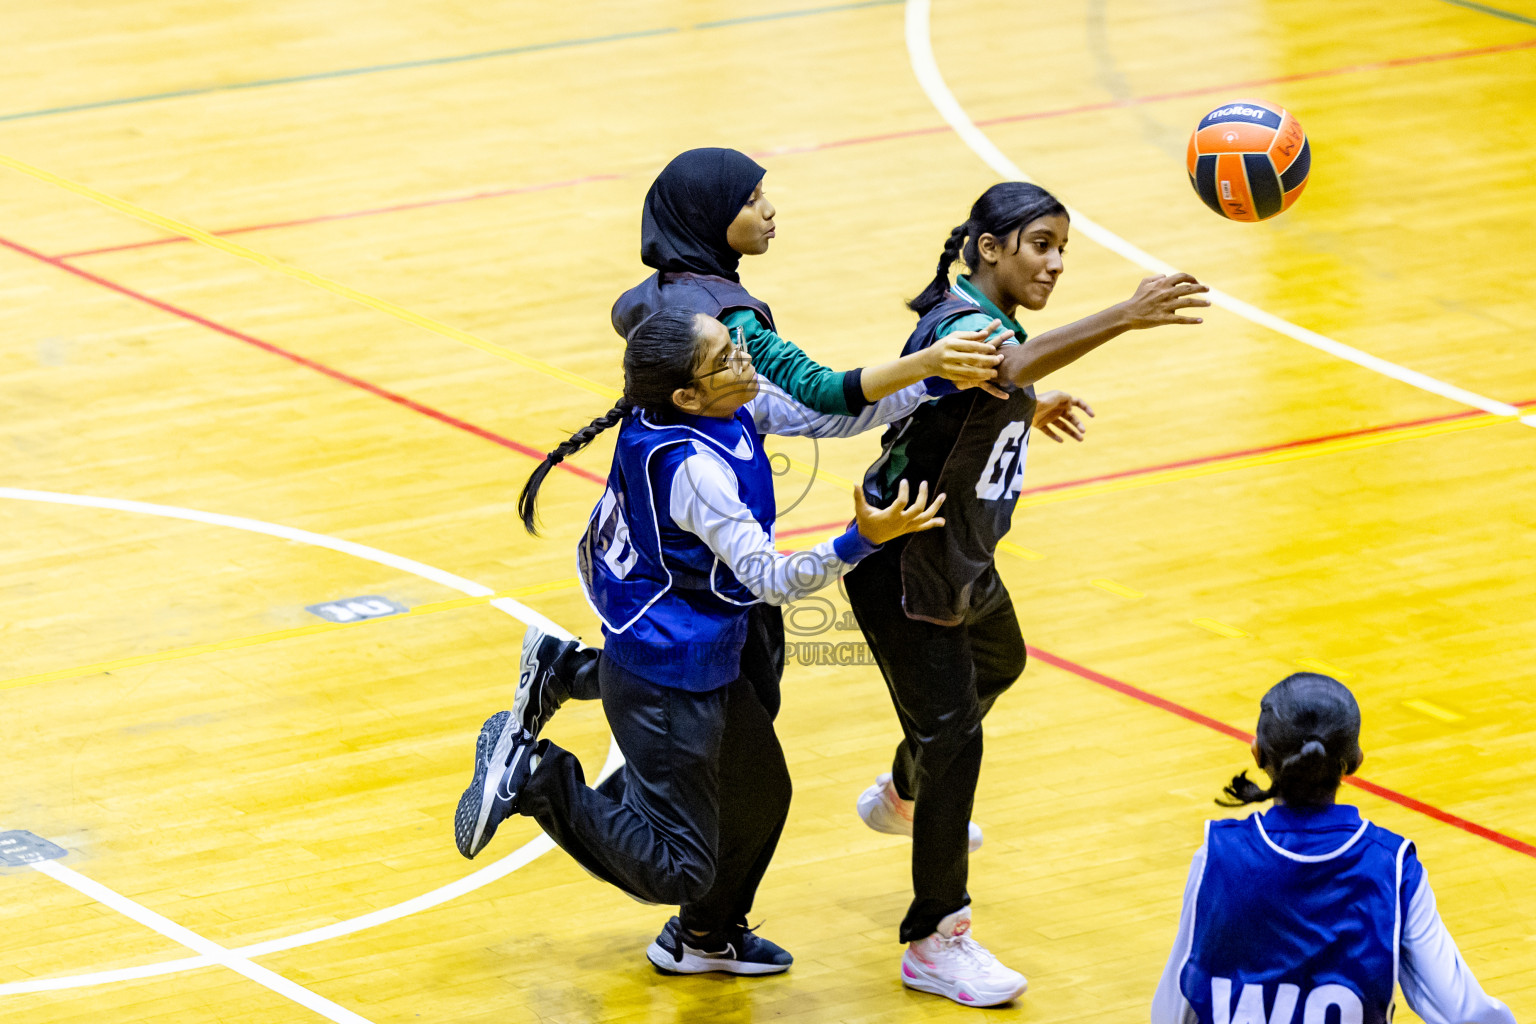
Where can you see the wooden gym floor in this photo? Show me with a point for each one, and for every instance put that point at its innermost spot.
(340, 267)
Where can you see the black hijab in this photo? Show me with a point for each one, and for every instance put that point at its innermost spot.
(690, 204)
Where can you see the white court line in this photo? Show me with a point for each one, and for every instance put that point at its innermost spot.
(217, 954)
(492, 872)
(920, 54)
(210, 950)
(513, 608)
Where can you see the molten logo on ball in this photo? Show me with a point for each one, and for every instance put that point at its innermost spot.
(1253, 112)
(1248, 160)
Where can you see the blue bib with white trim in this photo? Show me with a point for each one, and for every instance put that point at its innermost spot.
(672, 612)
(1288, 938)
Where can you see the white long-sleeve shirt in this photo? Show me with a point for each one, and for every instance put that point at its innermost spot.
(1435, 979)
(704, 498)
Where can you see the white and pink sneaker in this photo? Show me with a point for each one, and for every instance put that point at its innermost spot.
(952, 964)
(884, 811)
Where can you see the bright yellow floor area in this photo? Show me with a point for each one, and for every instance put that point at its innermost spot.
(420, 214)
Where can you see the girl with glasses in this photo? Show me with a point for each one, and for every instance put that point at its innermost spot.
(677, 552)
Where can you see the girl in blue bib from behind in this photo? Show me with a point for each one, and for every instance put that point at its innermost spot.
(1307, 913)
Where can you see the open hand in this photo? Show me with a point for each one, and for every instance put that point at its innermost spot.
(1055, 411)
(967, 356)
(878, 525)
(1158, 300)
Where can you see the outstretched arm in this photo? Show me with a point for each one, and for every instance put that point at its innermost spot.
(969, 358)
(704, 501)
(775, 412)
(1157, 302)
(964, 357)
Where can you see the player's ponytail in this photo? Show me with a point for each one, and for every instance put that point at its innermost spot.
(1000, 211)
(934, 294)
(1308, 740)
(658, 360)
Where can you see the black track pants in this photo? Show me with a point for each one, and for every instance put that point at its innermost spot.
(695, 814)
(943, 680)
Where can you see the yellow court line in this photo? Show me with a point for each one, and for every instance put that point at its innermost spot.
(261, 259)
(235, 643)
(196, 234)
(1433, 710)
(1019, 551)
(1325, 667)
(1118, 589)
(817, 473)
(1219, 628)
(1343, 444)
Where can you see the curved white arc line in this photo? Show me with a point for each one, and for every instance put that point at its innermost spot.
(926, 69)
(469, 883)
(493, 872)
(191, 963)
(475, 880)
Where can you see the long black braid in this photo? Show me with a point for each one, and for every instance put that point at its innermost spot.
(579, 440)
(1001, 210)
(658, 360)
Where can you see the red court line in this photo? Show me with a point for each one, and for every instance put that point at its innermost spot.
(863, 140)
(453, 421)
(1136, 101)
(1300, 76)
(1203, 460)
(397, 208)
(1401, 799)
(1305, 442)
(267, 346)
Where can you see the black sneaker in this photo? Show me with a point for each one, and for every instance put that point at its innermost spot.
(734, 949)
(503, 756)
(539, 690)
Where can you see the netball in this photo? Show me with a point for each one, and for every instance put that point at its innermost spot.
(1248, 160)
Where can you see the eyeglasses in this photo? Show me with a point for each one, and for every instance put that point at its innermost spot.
(737, 358)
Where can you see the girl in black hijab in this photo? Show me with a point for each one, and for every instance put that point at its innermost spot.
(703, 213)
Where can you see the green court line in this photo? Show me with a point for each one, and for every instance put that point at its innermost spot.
(1496, 12)
(461, 58)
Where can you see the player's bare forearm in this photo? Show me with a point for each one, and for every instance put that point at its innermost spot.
(1046, 353)
(1158, 301)
(888, 378)
(968, 358)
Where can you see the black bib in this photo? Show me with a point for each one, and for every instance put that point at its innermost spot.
(971, 447)
(699, 293)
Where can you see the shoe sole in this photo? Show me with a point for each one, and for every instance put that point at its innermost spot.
(952, 992)
(527, 669)
(471, 828)
(691, 963)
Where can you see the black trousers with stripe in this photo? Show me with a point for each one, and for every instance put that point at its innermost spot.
(943, 680)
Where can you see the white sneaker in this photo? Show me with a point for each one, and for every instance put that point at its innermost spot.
(952, 964)
(884, 811)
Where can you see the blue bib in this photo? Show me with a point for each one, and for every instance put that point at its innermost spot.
(1288, 938)
(672, 612)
